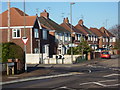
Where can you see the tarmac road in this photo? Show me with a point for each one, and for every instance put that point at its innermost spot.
(100, 74)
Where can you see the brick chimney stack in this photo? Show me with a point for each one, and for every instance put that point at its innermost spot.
(44, 14)
(80, 22)
(66, 20)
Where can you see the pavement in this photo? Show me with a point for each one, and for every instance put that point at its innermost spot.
(43, 70)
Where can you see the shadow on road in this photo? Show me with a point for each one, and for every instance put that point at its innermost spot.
(33, 68)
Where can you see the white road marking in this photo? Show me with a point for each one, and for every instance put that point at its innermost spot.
(109, 80)
(100, 83)
(112, 85)
(64, 87)
(111, 75)
(38, 78)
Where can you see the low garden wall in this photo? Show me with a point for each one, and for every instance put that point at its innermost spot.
(34, 59)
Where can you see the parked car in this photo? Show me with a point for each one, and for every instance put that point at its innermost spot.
(105, 54)
(101, 49)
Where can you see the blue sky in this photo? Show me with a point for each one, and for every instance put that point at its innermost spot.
(94, 14)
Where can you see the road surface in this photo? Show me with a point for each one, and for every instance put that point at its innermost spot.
(97, 74)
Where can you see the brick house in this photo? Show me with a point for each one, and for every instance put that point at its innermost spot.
(17, 28)
(91, 38)
(101, 37)
(59, 37)
(76, 34)
(105, 38)
(33, 29)
(111, 39)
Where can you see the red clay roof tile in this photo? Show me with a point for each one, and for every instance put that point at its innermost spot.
(16, 18)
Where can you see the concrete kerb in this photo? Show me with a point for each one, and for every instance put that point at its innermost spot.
(39, 78)
(62, 65)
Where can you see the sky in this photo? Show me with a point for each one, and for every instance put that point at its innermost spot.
(94, 14)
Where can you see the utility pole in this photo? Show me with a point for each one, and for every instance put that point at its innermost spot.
(39, 49)
(8, 20)
(71, 30)
(82, 17)
(37, 10)
(25, 37)
(106, 23)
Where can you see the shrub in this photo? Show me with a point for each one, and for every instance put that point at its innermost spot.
(11, 51)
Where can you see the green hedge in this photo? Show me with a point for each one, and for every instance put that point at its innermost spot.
(11, 51)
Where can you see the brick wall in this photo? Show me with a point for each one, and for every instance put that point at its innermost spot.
(18, 41)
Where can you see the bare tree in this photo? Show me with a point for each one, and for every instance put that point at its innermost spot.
(116, 31)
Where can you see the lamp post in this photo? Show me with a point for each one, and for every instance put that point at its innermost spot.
(25, 37)
(71, 29)
(39, 50)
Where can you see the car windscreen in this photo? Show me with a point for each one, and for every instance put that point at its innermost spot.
(105, 52)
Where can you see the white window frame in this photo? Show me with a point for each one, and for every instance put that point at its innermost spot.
(89, 38)
(36, 34)
(78, 37)
(61, 36)
(36, 50)
(104, 39)
(56, 36)
(69, 37)
(113, 39)
(66, 37)
(45, 38)
(96, 38)
(16, 33)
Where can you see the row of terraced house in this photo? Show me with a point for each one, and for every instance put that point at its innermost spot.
(54, 39)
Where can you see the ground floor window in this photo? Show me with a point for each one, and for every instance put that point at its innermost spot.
(36, 50)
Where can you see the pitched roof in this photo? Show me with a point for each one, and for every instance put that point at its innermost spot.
(50, 24)
(84, 29)
(97, 32)
(103, 30)
(16, 18)
(67, 26)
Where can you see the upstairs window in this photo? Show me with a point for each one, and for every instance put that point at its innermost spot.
(60, 36)
(66, 36)
(113, 39)
(69, 37)
(106, 39)
(96, 38)
(89, 37)
(56, 37)
(103, 39)
(45, 34)
(16, 33)
(36, 33)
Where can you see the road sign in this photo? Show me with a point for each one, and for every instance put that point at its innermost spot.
(24, 39)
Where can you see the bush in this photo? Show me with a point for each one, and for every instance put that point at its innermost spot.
(80, 59)
(11, 51)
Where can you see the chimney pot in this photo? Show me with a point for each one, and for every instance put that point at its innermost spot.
(66, 20)
(80, 22)
(44, 14)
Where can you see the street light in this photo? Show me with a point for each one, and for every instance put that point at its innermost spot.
(71, 29)
(39, 50)
(25, 37)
